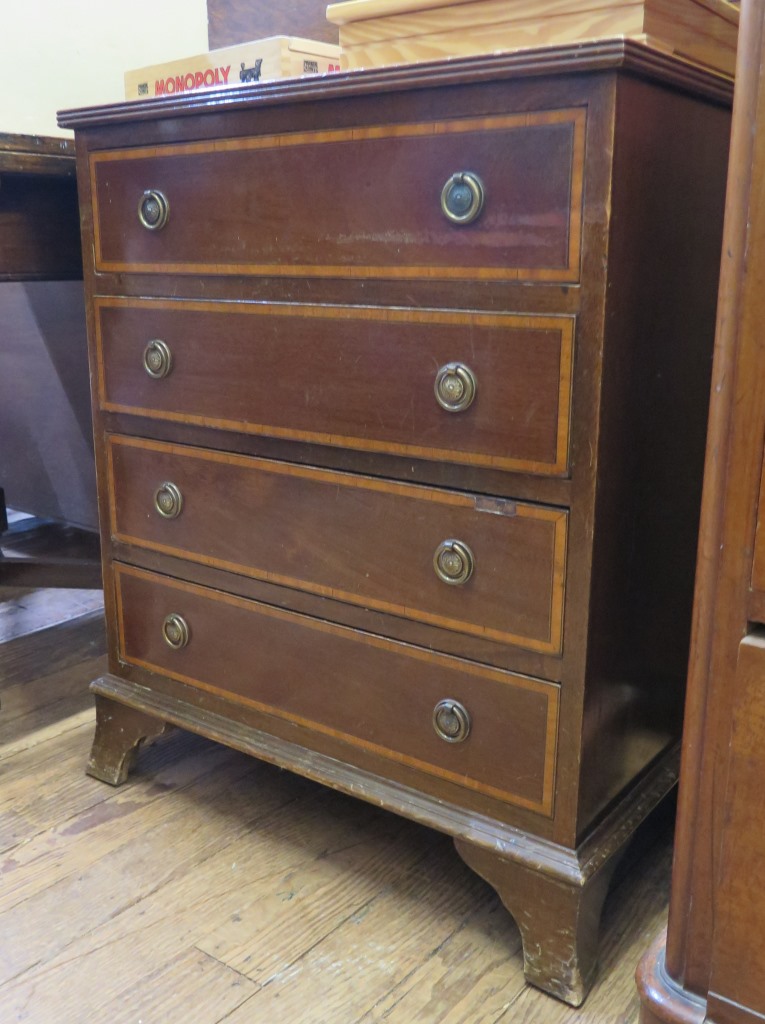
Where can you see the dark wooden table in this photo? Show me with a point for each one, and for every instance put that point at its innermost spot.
(46, 464)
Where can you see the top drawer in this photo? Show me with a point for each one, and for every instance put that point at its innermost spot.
(360, 202)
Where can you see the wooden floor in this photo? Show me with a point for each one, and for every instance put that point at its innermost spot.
(212, 887)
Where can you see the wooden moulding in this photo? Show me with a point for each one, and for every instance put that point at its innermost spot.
(663, 1000)
(376, 33)
(527, 872)
(580, 58)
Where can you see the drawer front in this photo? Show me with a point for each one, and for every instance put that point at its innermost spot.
(372, 693)
(355, 377)
(360, 202)
(369, 542)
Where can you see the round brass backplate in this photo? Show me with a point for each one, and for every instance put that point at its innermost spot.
(462, 197)
(168, 500)
(454, 562)
(451, 721)
(175, 631)
(455, 387)
(157, 359)
(153, 210)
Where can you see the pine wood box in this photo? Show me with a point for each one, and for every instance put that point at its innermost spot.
(259, 60)
(374, 33)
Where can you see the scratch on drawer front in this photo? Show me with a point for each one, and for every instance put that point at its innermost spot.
(495, 506)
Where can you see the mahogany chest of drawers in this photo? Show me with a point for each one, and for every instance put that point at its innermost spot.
(400, 387)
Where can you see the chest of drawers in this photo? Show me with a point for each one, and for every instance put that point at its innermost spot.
(400, 387)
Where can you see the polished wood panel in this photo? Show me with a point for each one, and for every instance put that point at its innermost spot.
(709, 965)
(366, 691)
(737, 980)
(358, 378)
(656, 384)
(389, 223)
(349, 537)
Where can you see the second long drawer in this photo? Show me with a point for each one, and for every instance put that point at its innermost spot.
(482, 566)
(479, 389)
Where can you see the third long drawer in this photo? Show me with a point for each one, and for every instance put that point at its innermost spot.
(483, 566)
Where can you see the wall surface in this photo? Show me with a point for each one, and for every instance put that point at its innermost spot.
(55, 55)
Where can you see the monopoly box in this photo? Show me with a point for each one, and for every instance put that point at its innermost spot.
(259, 60)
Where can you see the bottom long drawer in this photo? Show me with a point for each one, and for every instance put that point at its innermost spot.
(483, 728)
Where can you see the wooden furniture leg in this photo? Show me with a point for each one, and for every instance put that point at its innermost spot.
(120, 731)
(559, 922)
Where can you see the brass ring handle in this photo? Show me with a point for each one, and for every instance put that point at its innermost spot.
(453, 562)
(451, 721)
(455, 387)
(462, 197)
(157, 359)
(168, 500)
(153, 210)
(175, 631)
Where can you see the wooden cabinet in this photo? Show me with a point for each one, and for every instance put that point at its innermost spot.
(401, 386)
(710, 966)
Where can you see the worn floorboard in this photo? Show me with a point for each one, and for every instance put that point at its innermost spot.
(215, 889)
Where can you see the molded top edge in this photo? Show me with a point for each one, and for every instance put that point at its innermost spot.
(616, 54)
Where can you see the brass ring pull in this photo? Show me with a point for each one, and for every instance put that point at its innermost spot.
(451, 721)
(157, 359)
(175, 631)
(462, 197)
(168, 501)
(455, 387)
(153, 210)
(453, 562)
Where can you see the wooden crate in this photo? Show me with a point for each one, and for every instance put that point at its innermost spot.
(374, 33)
